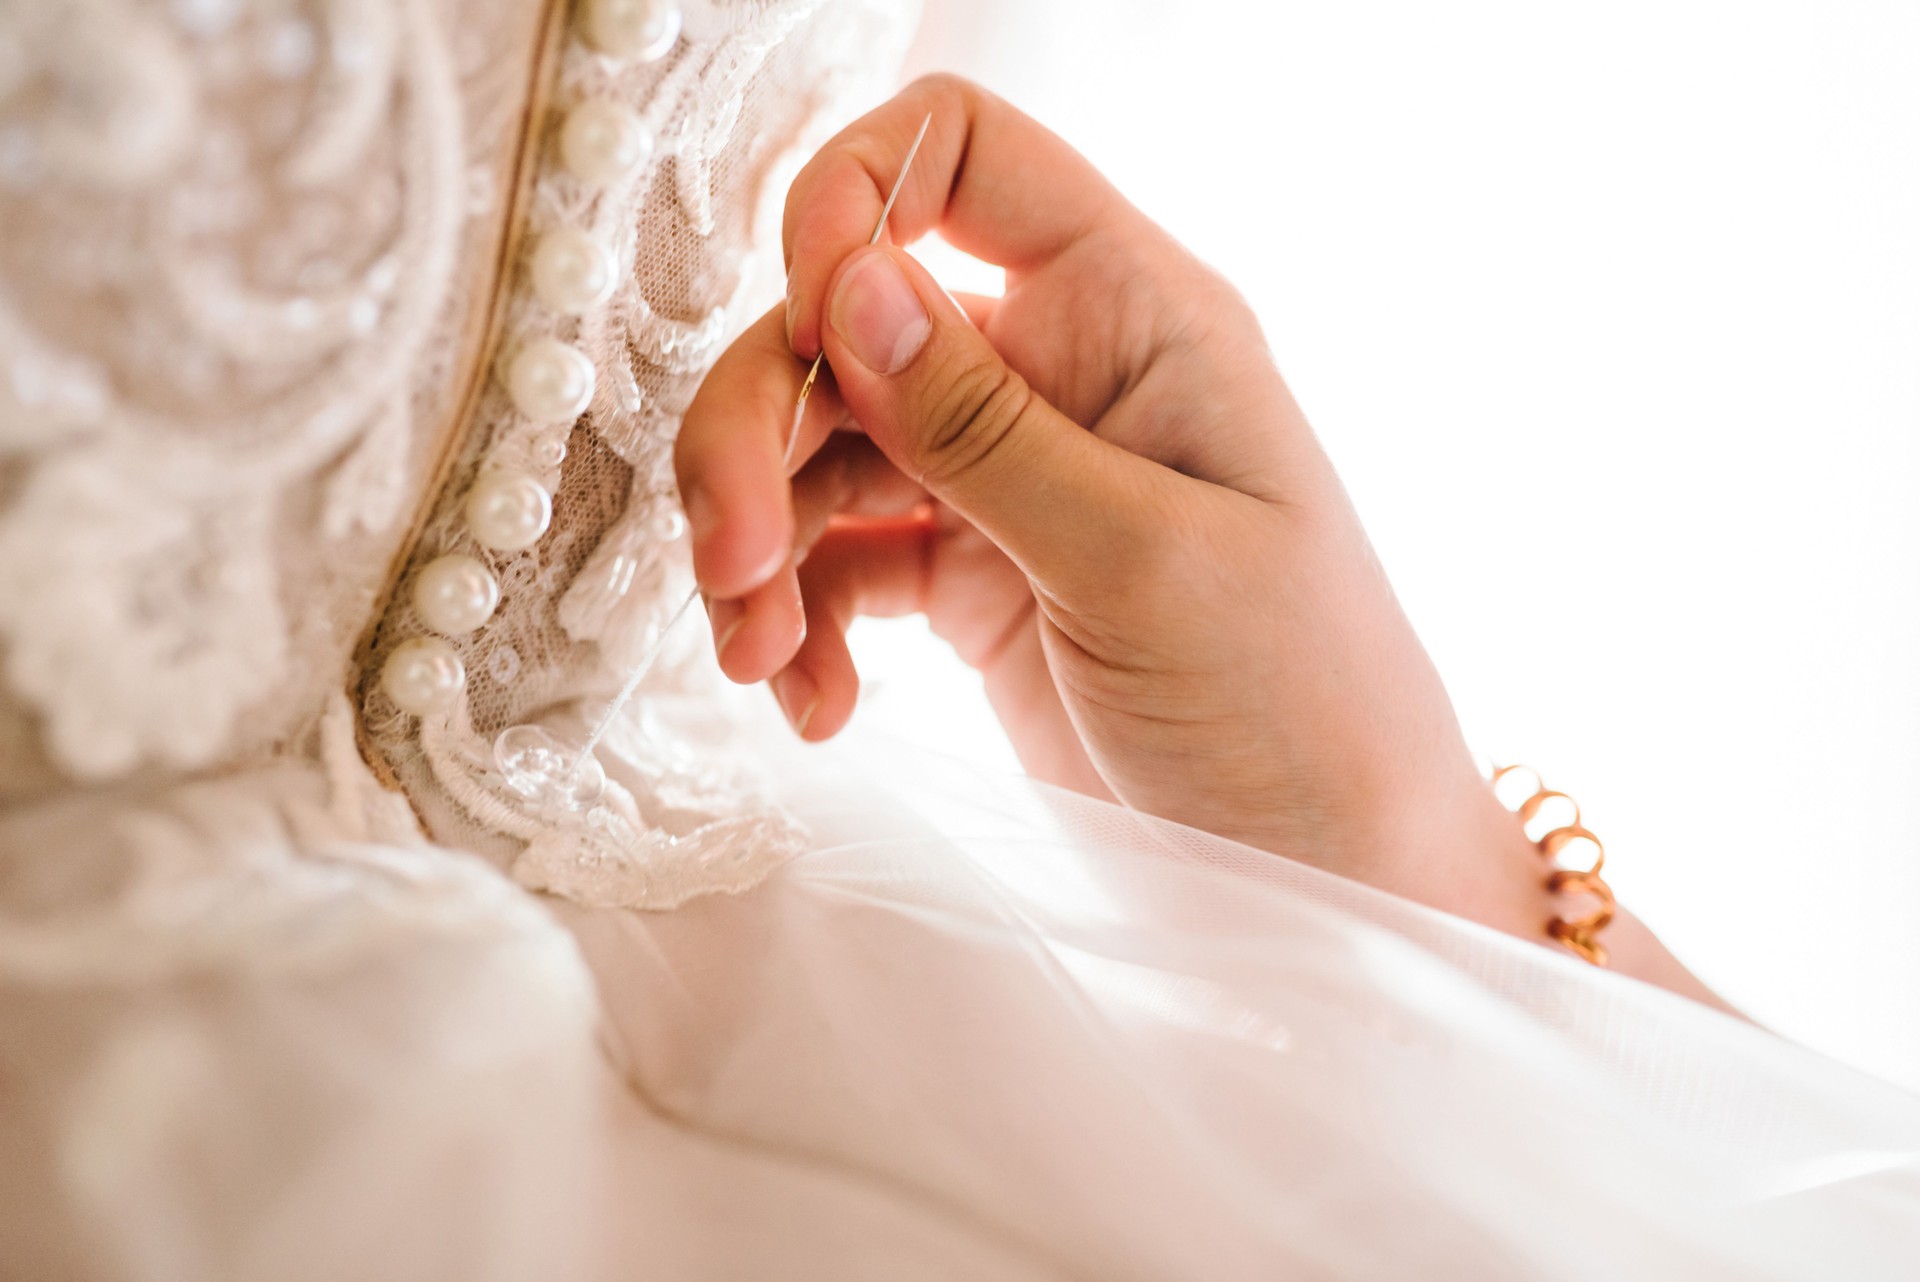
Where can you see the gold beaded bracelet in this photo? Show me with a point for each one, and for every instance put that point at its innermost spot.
(1581, 935)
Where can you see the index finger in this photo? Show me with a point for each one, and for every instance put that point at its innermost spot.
(728, 461)
(992, 181)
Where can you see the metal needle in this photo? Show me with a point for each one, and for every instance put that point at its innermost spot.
(813, 372)
(793, 436)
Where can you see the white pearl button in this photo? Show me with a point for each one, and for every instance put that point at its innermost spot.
(508, 511)
(455, 594)
(572, 272)
(423, 675)
(549, 381)
(639, 29)
(602, 143)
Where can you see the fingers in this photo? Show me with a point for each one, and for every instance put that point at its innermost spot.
(755, 635)
(872, 570)
(729, 459)
(993, 181)
(749, 521)
(849, 477)
(733, 481)
(1071, 510)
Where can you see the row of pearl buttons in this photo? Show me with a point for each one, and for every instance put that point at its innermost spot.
(601, 143)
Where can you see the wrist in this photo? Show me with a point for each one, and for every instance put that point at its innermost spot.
(1466, 854)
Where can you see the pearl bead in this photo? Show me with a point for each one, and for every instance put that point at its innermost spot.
(602, 142)
(669, 524)
(423, 675)
(549, 381)
(639, 29)
(455, 594)
(508, 511)
(572, 272)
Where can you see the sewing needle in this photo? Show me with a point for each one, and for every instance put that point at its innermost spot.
(813, 372)
(652, 654)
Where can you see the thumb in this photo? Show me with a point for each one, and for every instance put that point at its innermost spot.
(1071, 510)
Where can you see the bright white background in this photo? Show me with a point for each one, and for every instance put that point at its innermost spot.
(1610, 317)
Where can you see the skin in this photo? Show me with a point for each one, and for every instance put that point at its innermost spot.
(1100, 492)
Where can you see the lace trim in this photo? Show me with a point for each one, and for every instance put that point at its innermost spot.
(695, 834)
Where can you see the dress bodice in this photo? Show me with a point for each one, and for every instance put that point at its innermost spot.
(344, 343)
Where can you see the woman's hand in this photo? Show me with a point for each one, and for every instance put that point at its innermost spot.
(1100, 492)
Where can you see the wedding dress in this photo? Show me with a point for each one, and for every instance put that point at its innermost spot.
(342, 343)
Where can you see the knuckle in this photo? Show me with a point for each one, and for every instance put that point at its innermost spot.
(971, 410)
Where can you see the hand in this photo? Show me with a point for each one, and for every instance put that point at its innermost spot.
(1100, 492)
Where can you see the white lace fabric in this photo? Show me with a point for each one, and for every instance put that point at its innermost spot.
(239, 251)
(733, 107)
(252, 267)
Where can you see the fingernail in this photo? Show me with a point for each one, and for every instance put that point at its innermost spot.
(775, 561)
(798, 696)
(793, 315)
(876, 311)
(726, 617)
(699, 510)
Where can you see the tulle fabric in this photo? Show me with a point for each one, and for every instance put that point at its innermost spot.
(1113, 1047)
(980, 1029)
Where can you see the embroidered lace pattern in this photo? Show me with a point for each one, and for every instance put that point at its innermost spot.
(733, 108)
(239, 244)
(251, 270)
